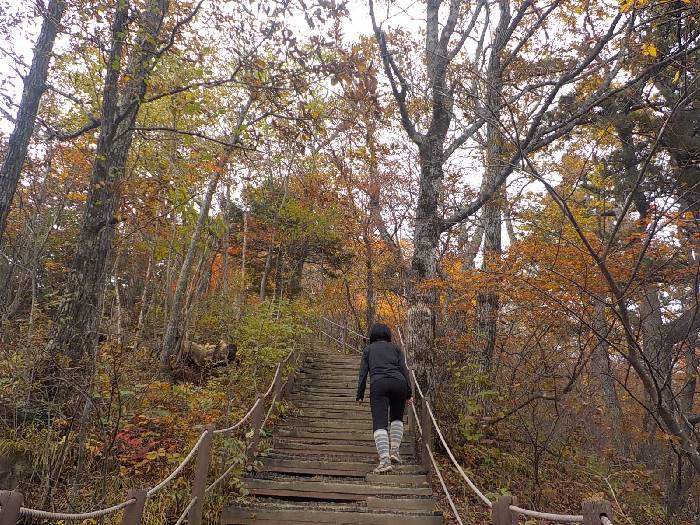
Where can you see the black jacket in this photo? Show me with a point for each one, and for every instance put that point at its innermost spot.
(382, 360)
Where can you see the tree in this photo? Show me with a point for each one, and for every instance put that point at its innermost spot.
(34, 87)
(78, 317)
(539, 106)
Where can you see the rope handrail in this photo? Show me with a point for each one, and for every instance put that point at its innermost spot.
(228, 471)
(264, 396)
(560, 518)
(179, 468)
(437, 471)
(245, 418)
(47, 515)
(67, 516)
(341, 342)
(272, 383)
(415, 381)
(466, 478)
(182, 517)
(349, 330)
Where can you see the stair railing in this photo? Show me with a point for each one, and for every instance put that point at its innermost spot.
(505, 510)
(11, 502)
(348, 339)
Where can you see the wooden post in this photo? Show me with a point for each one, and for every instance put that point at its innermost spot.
(133, 513)
(344, 337)
(427, 438)
(11, 501)
(593, 510)
(277, 389)
(199, 484)
(290, 379)
(256, 423)
(501, 513)
(411, 418)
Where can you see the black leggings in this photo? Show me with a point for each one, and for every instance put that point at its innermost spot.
(387, 397)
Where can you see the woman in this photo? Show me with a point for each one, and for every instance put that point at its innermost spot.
(389, 391)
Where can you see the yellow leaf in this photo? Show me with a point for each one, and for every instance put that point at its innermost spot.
(626, 5)
(649, 50)
(677, 77)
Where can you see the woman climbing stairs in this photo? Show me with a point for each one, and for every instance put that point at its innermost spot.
(319, 469)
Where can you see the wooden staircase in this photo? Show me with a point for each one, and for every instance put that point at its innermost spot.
(319, 469)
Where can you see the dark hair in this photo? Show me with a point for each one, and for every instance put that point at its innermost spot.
(380, 332)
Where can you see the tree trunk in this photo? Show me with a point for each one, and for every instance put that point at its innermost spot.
(145, 298)
(271, 246)
(172, 338)
(423, 296)
(266, 271)
(244, 250)
(173, 332)
(225, 243)
(295, 278)
(603, 379)
(75, 331)
(34, 87)
(371, 309)
(487, 301)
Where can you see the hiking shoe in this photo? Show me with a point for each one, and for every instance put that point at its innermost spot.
(384, 466)
(394, 457)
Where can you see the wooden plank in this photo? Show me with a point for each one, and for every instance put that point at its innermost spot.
(425, 504)
(362, 435)
(259, 516)
(358, 491)
(330, 446)
(329, 468)
(398, 479)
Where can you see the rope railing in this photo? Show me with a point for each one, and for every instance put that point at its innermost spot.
(503, 510)
(11, 502)
(245, 418)
(459, 468)
(185, 512)
(152, 492)
(345, 333)
(450, 501)
(47, 515)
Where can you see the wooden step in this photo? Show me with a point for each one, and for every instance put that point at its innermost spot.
(303, 513)
(318, 445)
(330, 377)
(331, 370)
(332, 404)
(396, 478)
(332, 393)
(354, 436)
(337, 383)
(358, 469)
(329, 489)
(344, 386)
(330, 423)
(425, 504)
(321, 414)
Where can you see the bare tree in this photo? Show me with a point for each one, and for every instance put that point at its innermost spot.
(34, 87)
